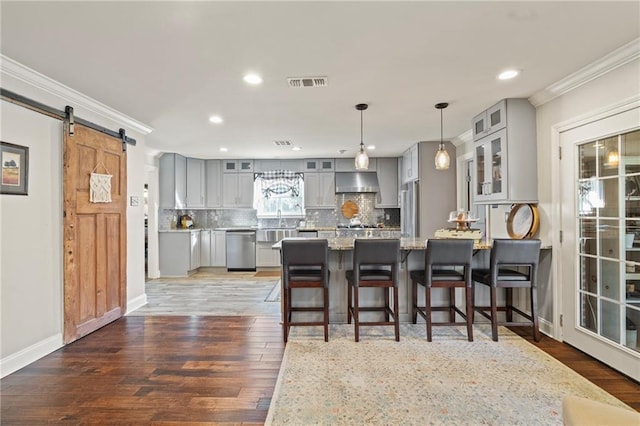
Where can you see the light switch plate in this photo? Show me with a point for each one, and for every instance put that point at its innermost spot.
(134, 201)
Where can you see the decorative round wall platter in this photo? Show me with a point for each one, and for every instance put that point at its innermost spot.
(349, 209)
(523, 221)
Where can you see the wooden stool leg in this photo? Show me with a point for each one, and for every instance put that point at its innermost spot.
(509, 304)
(468, 292)
(395, 313)
(427, 310)
(287, 310)
(494, 314)
(349, 300)
(452, 302)
(356, 313)
(414, 301)
(326, 314)
(386, 304)
(534, 314)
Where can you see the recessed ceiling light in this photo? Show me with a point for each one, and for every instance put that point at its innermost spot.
(215, 119)
(296, 148)
(508, 74)
(371, 147)
(223, 149)
(252, 78)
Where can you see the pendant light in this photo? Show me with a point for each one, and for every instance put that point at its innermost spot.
(442, 156)
(362, 159)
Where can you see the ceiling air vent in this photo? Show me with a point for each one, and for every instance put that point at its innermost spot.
(300, 82)
(282, 143)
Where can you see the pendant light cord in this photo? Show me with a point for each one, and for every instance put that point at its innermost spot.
(441, 142)
(361, 130)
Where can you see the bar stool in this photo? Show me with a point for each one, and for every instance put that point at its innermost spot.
(507, 254)
(305, 264)
(376, 263)
(447, 264)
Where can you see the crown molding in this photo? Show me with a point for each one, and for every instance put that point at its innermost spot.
(11, 68)
(463, 138)
(621, 56)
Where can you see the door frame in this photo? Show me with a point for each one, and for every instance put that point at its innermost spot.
(559, 205)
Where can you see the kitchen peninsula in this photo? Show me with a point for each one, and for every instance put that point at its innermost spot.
(412, 251)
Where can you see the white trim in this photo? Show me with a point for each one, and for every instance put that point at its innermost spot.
(136, 303)
(14, 69)
(460, 172)
(619, 57)
(462, 138)
(545, 327)
(556, 201)
(26, 356)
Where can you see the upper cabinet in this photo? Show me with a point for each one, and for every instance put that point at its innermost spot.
(387, 170)
(349, 165)
(410, 161)
(237, 190)
(172, 180)
(269, 164)
(237, 166)
(490, 121)
(195, 183)
(213, 174)
(319, 165)
(505, 166)
(319, 190)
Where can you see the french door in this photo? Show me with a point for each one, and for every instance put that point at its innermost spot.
(600, 253)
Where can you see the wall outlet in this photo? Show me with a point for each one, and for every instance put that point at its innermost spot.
(134, 201)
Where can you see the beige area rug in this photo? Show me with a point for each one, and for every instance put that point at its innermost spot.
(413, 382)
(274, 294)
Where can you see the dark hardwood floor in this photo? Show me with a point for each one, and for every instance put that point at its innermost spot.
(169, 370)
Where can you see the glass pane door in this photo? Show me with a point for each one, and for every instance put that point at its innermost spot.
(609, 238)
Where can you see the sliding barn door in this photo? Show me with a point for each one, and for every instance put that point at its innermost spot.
(94, 233)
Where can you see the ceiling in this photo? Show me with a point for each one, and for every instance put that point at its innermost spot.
(171, 65)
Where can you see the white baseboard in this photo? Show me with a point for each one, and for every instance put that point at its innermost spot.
(26, 356)
(546, 327)
(136, 303)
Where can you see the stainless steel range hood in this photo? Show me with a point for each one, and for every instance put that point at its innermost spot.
(357, 182)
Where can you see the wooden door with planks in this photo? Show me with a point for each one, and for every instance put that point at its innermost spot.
(95, 237)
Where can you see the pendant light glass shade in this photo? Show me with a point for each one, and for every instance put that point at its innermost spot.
(442, 156)
(362, 159)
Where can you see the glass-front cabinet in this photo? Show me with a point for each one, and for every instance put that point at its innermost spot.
(608, 211)
(491, 173)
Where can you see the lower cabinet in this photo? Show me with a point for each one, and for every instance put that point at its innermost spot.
(213, 248)
(266, 256)
(179, 253)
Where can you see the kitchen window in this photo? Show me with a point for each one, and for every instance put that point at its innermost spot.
(278, 194)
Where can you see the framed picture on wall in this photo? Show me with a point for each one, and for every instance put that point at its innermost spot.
(15, 169)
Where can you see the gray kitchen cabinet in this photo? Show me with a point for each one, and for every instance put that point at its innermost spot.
(179, 253)
(237, 190)
(505, 166)
(275, 164)
(266, 256)
(213, 185)
(387, 171)
(194, 250)
(490, 120)
(172, 181)
(237, 166)
(319, 165)
(320, 190)
(195, 183)
(349, 164)
(213, 248)
(205, 247)
(410, 168)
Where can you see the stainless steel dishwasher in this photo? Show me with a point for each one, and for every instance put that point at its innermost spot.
(241, 250)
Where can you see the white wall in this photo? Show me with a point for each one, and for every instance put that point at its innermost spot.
(31, 254)
(31, 261)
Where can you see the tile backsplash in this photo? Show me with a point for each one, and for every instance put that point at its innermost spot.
(228, 218)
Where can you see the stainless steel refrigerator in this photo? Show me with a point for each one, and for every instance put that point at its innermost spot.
(409, 210)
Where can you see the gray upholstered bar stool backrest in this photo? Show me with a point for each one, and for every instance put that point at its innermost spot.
(376, 259)
(305, 260)
(448, 252)
(507, 252)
